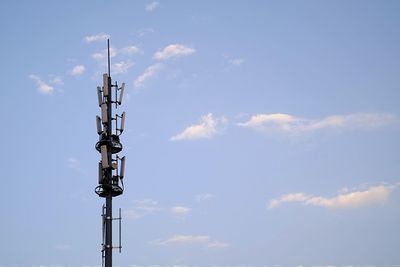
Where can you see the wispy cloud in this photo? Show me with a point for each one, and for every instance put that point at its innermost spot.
(130, 50)
(74, 164)
(121, 67)
(147, 74)
(344, 200)
(236, 61)
(145, 31)
(96, 38)
(78, 70)
(207, 128)
(183, 239)
(142, 208)
(152, 6)
(203, 197)
(42, 86)
(204, 240)
(180, 210)
(56, 80)
(173, 50)
(217, 244)
(289, 124)
(101, 57)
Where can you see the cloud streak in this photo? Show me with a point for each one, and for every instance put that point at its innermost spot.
(42, 86)
(142, 208)
(345, 200)
(149, 73)
(179, 210)
(130, 50)
(121, 67)
(96, 38)
(203, 197)
(102, 57)
(236, 61)
(203, 240)
(152, 6)
(292, 125)
(173, 51)
(207, 128)
(78, 70)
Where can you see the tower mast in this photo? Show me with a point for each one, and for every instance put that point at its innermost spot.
(111, 166)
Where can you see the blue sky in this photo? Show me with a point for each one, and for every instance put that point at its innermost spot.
(257, 133)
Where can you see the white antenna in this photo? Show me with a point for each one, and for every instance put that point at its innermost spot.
(122, 122)
(105, 84)
(100, 173)
(104, 115)
(98, 123)
(121, 94)
(99, 95)
(122, 171)
(104, 157)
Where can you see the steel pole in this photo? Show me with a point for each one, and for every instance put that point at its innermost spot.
(108, 249)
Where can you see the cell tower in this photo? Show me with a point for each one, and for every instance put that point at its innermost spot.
(111, 166)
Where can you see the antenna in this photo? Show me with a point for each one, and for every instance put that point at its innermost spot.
(122, 122)
(104, 113)
(108, 56)
(121, 94)
(105, 84)
(110, 177)
(99, 95)
(122, 171)
(98, 123)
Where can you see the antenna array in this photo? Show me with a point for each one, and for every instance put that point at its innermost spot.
(111, 166)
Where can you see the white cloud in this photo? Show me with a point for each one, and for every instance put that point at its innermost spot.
(142, 208)
(179, 210)
(56, 80)
(121, 67)
(203, 240)
(344, 200)
(292, 197)
(183, 239)
(151, 6)
(207, 128)
(145, 31)
(147, 74)
(42, 86)
(288, 124)
(102, 57)
(130, 50)
(78, 70)
(203, 197)
(173, 50)
(217, 244)
(96, 38)
(74, 164)
(236, 61)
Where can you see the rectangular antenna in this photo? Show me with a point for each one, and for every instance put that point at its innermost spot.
(121, 93)
(100, 173)
(98, 123)
(104, 157)
(105, 84)
(122, 122)
(99, 95)
(104, 115)
(122, 170)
